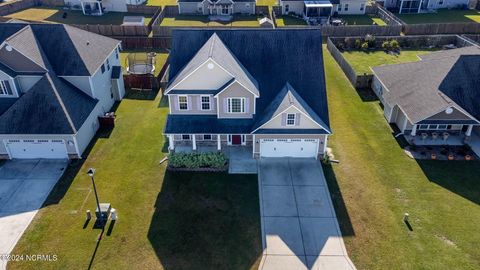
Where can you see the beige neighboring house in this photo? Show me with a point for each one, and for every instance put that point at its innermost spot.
(322, 8)
(55, 80)
(216, 7)
(238, 88)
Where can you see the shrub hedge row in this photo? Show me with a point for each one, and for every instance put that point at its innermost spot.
(197, 160)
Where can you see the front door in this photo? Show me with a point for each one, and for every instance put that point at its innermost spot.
(236, 139)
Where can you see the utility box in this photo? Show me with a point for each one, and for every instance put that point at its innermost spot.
(104, 212)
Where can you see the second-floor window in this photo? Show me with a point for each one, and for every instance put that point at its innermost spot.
(182, 103)
(236, 105)
(108, 65)
(205, 103)
(103, 68)
(5, 89)
(362, 6)
(291, 119)
(346, 7)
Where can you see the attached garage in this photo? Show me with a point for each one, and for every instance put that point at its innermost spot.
(30, 149)
(304, 148)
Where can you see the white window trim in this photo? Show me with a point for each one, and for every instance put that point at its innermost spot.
(242, 105)
(178, 100)
(294, 119)
(209, 103)
(189, 137)
(211, 137)
(3, 89)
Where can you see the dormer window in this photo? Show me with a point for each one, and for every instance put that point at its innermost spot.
(5, 89)
(291, 119)
(236, 105)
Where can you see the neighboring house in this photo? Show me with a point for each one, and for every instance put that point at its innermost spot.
(418, 6)
(94, 7)
(241, 88)
(439, 94)
(322, 8)
(55, 80)
(216, 7)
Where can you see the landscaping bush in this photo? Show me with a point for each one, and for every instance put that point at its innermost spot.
(358, 44)
(365, 46)
(197, 160)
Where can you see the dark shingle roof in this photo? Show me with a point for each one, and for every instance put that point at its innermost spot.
(206, 124)
(52, 106)
(7, 30)
(5, 103)
(272, 57)
(445, 79)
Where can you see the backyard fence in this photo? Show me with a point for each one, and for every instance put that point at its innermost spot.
(441, 28)
(146, 82)
(140, 43)
(472, 38)
(14, 6)
(115, 30)
(142, 9)
(388, 17)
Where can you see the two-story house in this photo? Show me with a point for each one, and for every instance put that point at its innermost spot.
(216, 7)
(55, 80)
(323, 8)
(259, 89)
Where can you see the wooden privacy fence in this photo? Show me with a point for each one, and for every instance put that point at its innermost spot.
(146, 82)
(115, 30)
(139, 43)
(142, 9)
(14, 6)
(388, 17)
(441, 28)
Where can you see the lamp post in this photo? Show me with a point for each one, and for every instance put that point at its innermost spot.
(91, 173)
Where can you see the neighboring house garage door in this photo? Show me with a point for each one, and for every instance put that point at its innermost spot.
(288, 147)
(54, 149)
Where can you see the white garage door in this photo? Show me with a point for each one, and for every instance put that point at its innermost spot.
(54, 149)
(288, 147)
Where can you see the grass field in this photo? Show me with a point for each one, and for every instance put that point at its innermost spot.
(287, 20)
(54, 15)
(161, 3)
(160, 59)
(375, 183)
(362, 61)
(442, 16)
(196, 20)
(362, 19)
(166, 220)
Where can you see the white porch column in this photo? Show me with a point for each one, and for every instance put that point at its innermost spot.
(219, 143)
(414, 130)
(469, 130)
(194, 142)
(171, 144)
(401, 6)
(83, 8)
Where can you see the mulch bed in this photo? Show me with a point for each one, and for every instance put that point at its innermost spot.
(173, 169)
(450, 152)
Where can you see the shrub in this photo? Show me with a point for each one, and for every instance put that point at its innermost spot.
(358, 43)
(370, 40)
(197, 160)
(365, 46)
(386, 45)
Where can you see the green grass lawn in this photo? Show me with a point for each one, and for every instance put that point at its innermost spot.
(165, 220)
(362, 61)
(160, 59)
(375, 183)
(161, 3)
(442, 16)
(54, 15)
(362, 19)
(197, 20)
(286, 20)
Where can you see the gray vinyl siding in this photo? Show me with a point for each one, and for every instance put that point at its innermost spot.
(189, 8)
(236, 90)
(321, 138)
(81, 82)
(89, 128)
(244, 7)
(456, 115)
(25, 83)
(301, 121)
(194, 105)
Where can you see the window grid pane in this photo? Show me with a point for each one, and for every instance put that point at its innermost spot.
(235, 105)
(205, 103)
(182, 103)
(290, 119)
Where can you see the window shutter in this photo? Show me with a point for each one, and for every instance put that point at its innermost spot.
(247, 105)
(189, 103)
(284, 119)
(176, 106)
(9, 89)
(225, 105)
(297, 119)
(210, 99)
(199, 102)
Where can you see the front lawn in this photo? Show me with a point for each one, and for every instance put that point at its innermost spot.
(442, 16)
(375, 183)
(165, 220)
(362, 19)
(160, 58)
(204, 21)
(286, 20)
(55, 15)
(362, 61)
(161, 3)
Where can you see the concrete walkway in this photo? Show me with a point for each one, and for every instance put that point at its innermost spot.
(299, 225)
(24, 186)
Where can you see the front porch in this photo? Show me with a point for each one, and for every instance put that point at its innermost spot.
(439, 134)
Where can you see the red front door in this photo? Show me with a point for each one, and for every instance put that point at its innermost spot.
(236, 139)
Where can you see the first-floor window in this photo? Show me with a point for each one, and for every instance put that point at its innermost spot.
(423, 127)
(5, 88)
(205, 103)
(287, 8)
(186, 137)
(225, 9)
(433, 126)
(207, 137)
(290, 119)
(339, 7)
(236, 105)
(442, 126)
(183, 103)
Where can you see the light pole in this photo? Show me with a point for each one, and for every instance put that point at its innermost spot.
(91, 173)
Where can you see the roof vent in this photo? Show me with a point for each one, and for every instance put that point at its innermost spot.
(449, 110)
(8, 48)
(88, 42)
(210, 66)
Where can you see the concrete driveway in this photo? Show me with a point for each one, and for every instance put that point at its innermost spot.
(24, 186)
(299, 225)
